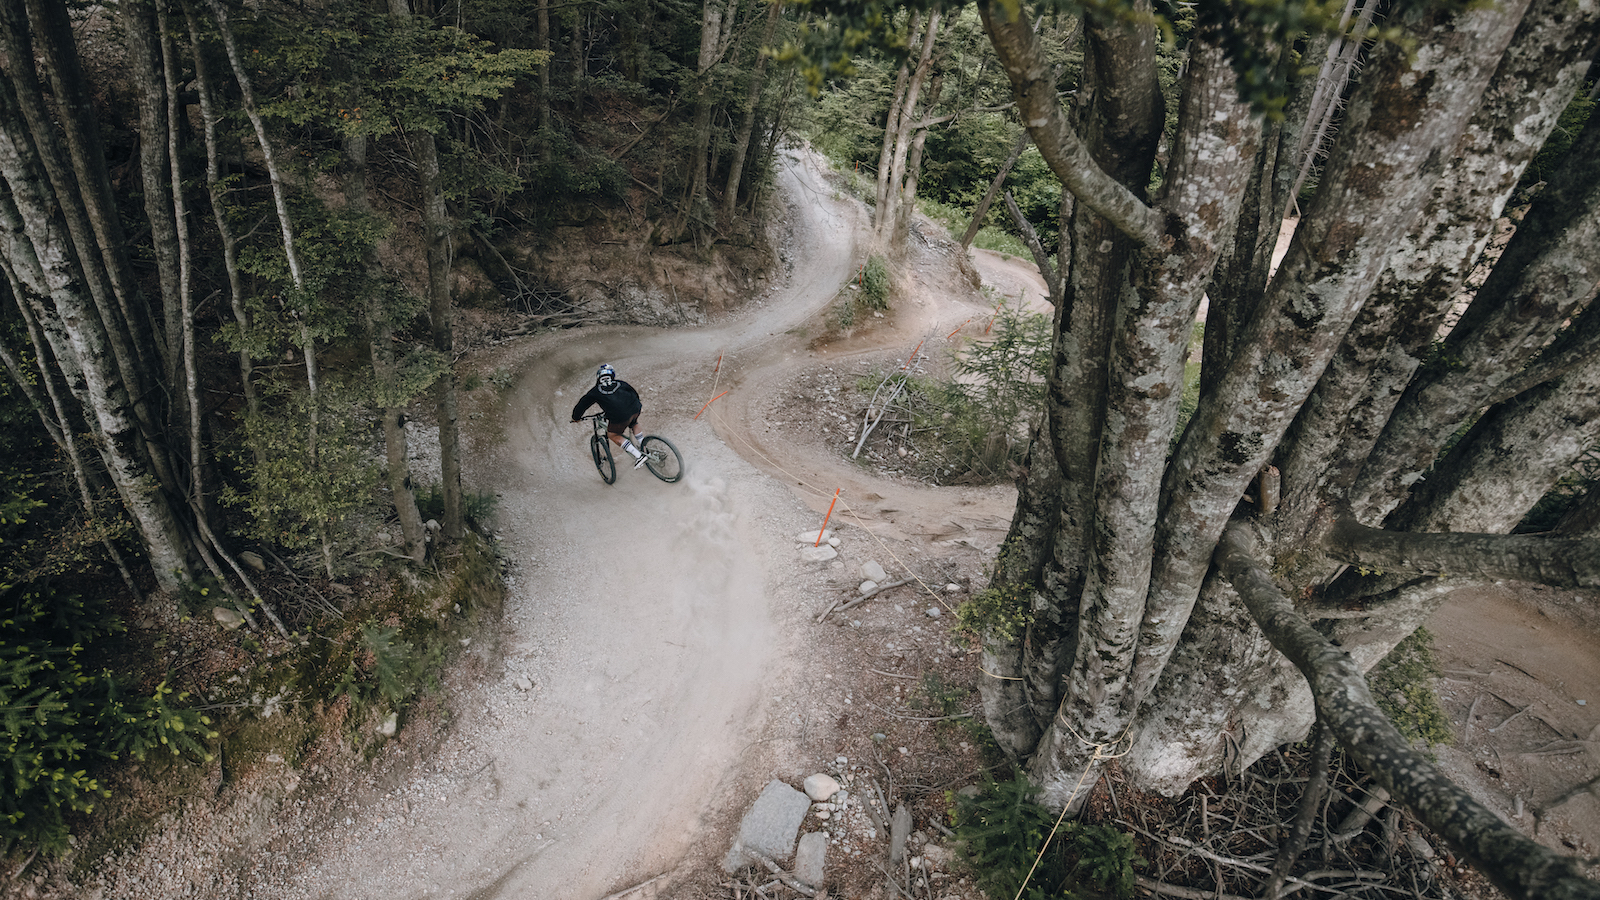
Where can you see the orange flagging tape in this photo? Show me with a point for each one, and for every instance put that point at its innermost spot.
(824, 528)
(719, 362)
(958, 329)
(711, 401)
(913, 357)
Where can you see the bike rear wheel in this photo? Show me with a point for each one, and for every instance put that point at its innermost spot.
(600, 449)
(662, 459)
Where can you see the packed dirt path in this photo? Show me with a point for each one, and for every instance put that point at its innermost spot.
(646, 618)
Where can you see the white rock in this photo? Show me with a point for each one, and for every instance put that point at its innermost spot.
(833, 542)
(523, 683)
(868, 587)
(952, 588)
(935, 612)
(229, 619)
(817, 554)
(874, 572)
(820, 787)
(253, 560)
(810, 537)
(391, 724)
(823, 814)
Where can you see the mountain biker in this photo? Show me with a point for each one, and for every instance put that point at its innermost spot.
(620, 403)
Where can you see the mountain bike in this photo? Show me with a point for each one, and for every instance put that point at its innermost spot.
(660, 457)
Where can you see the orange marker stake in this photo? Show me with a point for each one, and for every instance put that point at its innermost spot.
(958, 329)
(711, 401)
(719, 364)
(824, 528)
(913, 357)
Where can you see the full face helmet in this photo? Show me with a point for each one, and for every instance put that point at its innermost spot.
(605, 378)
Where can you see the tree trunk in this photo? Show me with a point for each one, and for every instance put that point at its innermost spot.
(218, 194)
(54, 287)
(747, 113)
(982, 209)
(145, 68)
(898, 138)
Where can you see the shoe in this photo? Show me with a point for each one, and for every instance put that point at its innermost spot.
(641, 461)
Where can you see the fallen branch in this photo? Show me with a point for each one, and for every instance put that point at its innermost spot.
(789, 881)
(617, 895)
(873, 593)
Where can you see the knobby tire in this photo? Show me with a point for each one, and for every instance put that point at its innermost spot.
(600, 449)
(662, 459)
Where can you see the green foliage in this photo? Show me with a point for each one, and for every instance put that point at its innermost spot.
(938, 697)
(60, 718)
(1002, 613)
(1003, 834)
(295, 500)
(395, 666)
(979, 418)
(476, 506)
(875, 284)
(1403, 686)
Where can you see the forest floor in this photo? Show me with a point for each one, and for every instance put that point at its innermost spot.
(665, 651)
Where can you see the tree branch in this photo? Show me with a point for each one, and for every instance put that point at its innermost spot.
(1030, 238)
(1516, 864)
(1554, 561)
(1034, 88)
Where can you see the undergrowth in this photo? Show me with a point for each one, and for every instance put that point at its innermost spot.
(1403, 686)
(1017, 848)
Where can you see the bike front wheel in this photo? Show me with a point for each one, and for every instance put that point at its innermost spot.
(662, 459)
(600, 449)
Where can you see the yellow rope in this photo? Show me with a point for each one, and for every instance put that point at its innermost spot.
(1099, 754)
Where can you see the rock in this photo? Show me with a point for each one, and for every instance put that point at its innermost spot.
(817, 554)
(810, 537)
(952, 588)
(938, 856)
(229, 619)
(432, 525)
(874, 572)
(383, 538)
(769, 828)
(523, 683)
(833, 542)
(934, 612)
(811, 858)
(253, 560)
(391, 724)
(820, 787)
(823, 814)
(868, 587)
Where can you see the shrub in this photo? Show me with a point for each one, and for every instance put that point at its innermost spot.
(875, 284)
(59, 718)
(296, 501)
(1018, 848)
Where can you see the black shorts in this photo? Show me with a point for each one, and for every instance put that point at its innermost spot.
(617, 428)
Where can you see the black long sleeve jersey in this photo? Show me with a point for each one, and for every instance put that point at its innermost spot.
(620, 405)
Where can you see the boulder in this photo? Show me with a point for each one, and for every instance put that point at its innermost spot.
(253, 560)
(871, 571)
